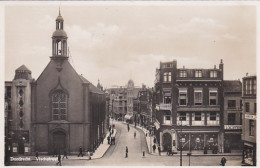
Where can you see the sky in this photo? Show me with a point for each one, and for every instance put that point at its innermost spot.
(115, 43)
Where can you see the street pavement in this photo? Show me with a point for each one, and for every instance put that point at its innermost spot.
(115, 155)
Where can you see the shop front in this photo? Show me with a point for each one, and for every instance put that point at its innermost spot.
(249, 154)
(232, 142)
(198, 141)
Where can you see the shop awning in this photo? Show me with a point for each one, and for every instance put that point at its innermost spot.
(128, 117)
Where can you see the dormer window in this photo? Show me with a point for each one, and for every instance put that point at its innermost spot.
(198, 73)
(213, 74)
(183, 74)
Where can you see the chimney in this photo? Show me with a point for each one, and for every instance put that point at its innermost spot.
(221, 68)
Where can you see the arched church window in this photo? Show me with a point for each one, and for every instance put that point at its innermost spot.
(59, 105)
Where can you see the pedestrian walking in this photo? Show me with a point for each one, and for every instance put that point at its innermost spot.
(134, 134)
(65, 154)
(89, 157)
(223, 161)
(36, 155)
(128, 127)
(59, 160)
(154, 147)
(126, 152)
(80, 152)
(159, 150)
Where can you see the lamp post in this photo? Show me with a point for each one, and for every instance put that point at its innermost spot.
(181, 144)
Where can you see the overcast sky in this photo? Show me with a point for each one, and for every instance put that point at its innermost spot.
(118, 42)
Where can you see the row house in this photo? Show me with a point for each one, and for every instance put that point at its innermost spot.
(232, 115)
(145, 106)
(249, 120)
(189, 107)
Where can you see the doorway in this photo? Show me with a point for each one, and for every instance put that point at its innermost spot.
(59, 142)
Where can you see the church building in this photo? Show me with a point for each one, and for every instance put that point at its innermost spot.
(61, 110)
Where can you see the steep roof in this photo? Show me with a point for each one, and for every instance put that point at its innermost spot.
(232, 86)
(92, 88)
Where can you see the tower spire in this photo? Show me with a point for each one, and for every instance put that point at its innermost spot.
(59, 11)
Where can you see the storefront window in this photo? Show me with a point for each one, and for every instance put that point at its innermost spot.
(197, 141)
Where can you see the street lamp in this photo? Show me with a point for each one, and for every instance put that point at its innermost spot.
(181, 144)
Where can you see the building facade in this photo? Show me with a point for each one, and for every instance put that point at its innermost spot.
(189, 110)
(249, 120)
(232, 116)
(145, 106)
(18, 111)
(59, 111)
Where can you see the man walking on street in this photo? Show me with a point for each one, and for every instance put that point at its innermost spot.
(126, 152)
(59, 160)
(80, 152)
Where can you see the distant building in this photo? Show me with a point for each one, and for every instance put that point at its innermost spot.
(117, 105)
(232, 116)
(249, 120)
(145, 106)
(123, 101)
(132, 102)
(189, 107)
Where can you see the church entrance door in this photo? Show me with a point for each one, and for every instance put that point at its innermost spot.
(59, 142)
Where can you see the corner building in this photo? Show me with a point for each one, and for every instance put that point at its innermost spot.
(189, 107)
(67, 110)
(249, 120)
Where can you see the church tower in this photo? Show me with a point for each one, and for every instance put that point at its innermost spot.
(59, 40)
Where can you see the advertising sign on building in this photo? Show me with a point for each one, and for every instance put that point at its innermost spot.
(233, 127)
(251, 117)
